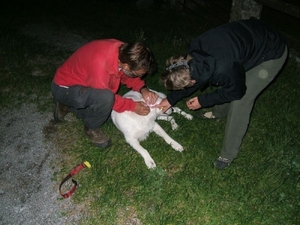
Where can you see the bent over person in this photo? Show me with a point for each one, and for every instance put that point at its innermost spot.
(87, 83)
(240, 57)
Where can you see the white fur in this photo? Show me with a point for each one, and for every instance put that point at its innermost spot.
(137, 128)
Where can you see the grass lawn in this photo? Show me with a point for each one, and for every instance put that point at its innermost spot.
(262, 186)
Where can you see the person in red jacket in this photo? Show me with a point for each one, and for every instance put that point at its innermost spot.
(87, 84)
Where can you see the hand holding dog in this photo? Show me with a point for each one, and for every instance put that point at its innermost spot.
(193, 103)
(149, 96)
(164, 105)
(142, 109)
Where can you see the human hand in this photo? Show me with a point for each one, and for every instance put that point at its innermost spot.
(164, 105)
(193, 103)
(149, 96)
(141, 108)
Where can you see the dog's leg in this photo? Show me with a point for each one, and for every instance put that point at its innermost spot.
(159, 131)
(143, 152)
(179, 111)
(170, 119)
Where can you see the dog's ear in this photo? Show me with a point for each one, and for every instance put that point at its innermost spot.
(161, 95)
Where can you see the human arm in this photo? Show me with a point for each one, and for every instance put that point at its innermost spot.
(231, 78)
(164, 105)
(139, 85)
(193, 103)
(142, 108)
(175, 96)
(127, 104)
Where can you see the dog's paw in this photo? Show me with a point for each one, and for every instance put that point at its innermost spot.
(176, 146)
(188, 116)
(174, 126)
(150, 163)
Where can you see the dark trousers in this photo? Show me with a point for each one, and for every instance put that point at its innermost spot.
(92, 105)
(238, 112)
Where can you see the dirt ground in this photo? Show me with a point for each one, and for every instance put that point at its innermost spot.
(28, 158)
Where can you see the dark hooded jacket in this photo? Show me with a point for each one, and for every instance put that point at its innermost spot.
(222, 55)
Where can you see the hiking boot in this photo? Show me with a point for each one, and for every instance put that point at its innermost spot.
(221, 163)
(60, 111)
(97, 137)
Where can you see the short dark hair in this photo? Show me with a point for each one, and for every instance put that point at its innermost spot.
(137, 56)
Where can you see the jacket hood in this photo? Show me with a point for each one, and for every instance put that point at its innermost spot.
(202, 67)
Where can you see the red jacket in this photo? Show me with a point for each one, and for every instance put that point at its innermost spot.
(95, 65)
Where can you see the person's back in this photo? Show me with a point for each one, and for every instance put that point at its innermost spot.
(91, 65)
(249, 42)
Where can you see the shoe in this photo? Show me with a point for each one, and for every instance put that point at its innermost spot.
(97, 137)
(221, 163)
(60, 111)
(206, 115)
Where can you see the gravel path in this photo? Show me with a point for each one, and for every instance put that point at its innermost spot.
(27, 159)
(27, 194)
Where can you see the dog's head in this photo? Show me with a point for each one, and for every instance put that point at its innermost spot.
(136, 96)
(161, 96)
(159, 111)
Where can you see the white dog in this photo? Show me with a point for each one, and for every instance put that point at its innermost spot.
(136, 128)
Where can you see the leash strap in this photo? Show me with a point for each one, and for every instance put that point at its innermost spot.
(72, 173)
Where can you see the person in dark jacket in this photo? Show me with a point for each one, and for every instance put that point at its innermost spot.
(241, 58)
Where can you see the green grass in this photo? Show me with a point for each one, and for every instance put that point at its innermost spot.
(261, 186)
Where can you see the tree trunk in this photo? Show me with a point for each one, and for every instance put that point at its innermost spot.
(245, 9)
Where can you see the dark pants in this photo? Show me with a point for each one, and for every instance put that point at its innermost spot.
(238, 112)
(92, 105)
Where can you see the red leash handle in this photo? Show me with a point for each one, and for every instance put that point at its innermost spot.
(72, 173)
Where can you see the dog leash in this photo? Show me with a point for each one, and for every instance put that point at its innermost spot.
(72, 173)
